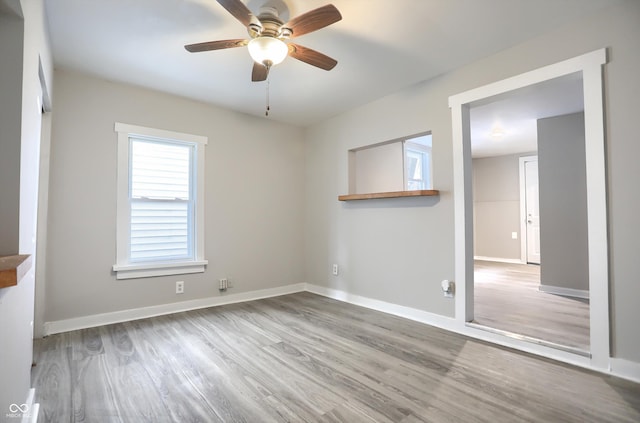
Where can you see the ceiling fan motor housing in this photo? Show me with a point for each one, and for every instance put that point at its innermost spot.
(270, 25)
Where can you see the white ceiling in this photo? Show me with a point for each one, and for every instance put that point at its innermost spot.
(514, 115)
(381, 46)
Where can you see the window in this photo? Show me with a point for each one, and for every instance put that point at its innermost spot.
(417, 163)
(160, 204)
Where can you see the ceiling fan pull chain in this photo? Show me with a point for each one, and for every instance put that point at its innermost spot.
(266, 113)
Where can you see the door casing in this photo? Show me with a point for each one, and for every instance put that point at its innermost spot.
(590, 65)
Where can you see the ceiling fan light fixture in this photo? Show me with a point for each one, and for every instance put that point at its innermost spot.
(268, 51)
(268, 33)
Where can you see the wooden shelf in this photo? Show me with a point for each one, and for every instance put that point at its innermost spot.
(393, 194)
(13, 269)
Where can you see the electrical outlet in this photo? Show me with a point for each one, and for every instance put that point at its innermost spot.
(514, 235)
(180, 287)
(223, 284)
(335, 270)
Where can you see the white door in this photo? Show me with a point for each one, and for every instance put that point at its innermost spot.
(532, 211)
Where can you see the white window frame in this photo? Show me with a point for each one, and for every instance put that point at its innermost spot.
(123, 268)
(407, 146)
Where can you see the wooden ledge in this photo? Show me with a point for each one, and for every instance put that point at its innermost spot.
(13, 269)
(393, 194)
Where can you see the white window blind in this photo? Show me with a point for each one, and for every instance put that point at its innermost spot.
(161, 198)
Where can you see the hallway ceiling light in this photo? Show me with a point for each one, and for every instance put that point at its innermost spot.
(497, 133)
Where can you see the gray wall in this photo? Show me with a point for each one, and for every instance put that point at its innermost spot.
(563, 202)
(11, 42)
(20, 54)
(379, 169)
(254, 192)
(399, 252)
(496, 206)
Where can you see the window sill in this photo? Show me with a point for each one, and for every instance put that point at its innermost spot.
(132, 271)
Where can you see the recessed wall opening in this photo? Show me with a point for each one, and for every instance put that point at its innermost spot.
(402, 164)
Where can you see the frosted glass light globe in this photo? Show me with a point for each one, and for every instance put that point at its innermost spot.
(267, 51)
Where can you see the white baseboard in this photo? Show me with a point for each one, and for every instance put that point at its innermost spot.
(450, 324)
(565, 292)
(84, 322)
(499, 260)
(421, 316)
(625, 369)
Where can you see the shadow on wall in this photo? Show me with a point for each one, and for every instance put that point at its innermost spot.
(392, 203)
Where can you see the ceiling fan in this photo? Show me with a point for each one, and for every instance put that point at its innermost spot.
(268, 34)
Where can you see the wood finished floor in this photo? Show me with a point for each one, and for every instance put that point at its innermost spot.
(507, 298)
(306, 358)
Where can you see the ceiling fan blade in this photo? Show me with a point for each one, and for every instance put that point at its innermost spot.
(259, 72)
(216, 45)
(313, 20)
(238, 10)
(311, 57)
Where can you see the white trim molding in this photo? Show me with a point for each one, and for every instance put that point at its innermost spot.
(131, 271)
(565, 292)
(590, 65)
(124, 269)
(158, 133)
(499, 260)
(102, 319)
(625, 369)
(421, 316)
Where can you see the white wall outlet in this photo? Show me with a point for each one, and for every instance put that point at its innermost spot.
(180, 287)
(223, 284)
(514, 235)
(335, 270)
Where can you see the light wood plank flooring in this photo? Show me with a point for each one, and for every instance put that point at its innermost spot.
(507, 298)
(306, 358)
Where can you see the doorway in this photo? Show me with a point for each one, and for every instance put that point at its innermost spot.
(529, 210)
(513, 293)
(590, 68)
